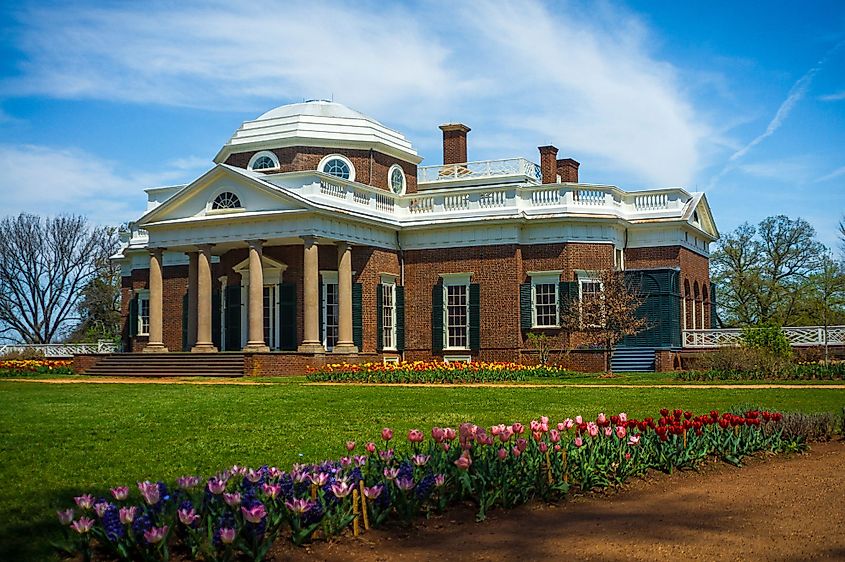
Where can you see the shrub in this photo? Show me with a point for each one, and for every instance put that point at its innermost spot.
(797, 371)
(433, 372)
(813, 427)
(25, 354)
(769, 338)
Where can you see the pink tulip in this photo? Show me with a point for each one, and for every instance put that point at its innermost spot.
(579, 420)
(272, 491)
(450, 433)
(370, 447)
(188, 482)
(127, 514)
(627, 456)
(601, 419)
(405, 484)
(439, 480)
(216, 486)
(544, 420)
(360, 460)
(233, 499)
(420, 460)
(505, 434)
(120, 493)
(518, 428)
(592, 429)
(561, 426)
(495, 430)
(255, 513)
(386, 455)
(503, 453)
(319, 478)
(516, 452)
(444, 446)
(341, 489)
(253, 476)
(391, 473)
(621, 431)
(345, 462)
(464, 461)
(65, 517)
(623, 417)
(187, 516)
(537, 435)
(633, 439)
(557, 448)
(415, 436)
(350, 446)
(82, 525)
(387, 434)
(298, 505)
(578, 441)
(150, 492)
(374, 492)
(554, 436)
(438, 434)
(84, 502)
(534, 425)
(568, 424)
(100, 508)
(521, 444)
(608, 431)
(227, 535)
(543, 447)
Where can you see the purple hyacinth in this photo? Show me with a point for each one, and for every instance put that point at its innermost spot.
(111, 523)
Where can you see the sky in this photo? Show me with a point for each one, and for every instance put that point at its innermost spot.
(742, 100)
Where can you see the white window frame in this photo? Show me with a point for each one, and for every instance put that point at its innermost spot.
(261, 154)
(583, 278)
(328, 278)
(326, 159)
(391, 359)
(457, 358)
(455, 280)
(388, 283)
(209, 207)
(390, 179)
(142, 295)
(545, 278)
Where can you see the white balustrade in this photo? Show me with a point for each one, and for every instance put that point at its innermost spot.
(798, 336)
(421, 205)
(492, 199)
(333, 189)
(542, 197)
(651, 202)
(457, 202)
(61, 350)
(361, 197)
(481, 169)
(385, 202)
(588, 197)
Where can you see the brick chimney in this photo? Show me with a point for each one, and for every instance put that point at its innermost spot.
(548, 164)
(454, 143)
(567, 169)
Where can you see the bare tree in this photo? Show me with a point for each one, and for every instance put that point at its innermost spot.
(44, 265)
(605, 316)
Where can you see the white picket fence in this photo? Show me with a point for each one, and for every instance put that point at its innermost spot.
(61, 350)
(798, 336)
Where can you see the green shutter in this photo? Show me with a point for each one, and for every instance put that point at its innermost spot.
(322, 307)
(474, 316)
(216, 328)
(567, 293)
(713, 317)
(357, 316)
(233, 318)
(185, 323)
(400, 318)
(287, 316)
(525, 306)
(437, 318)
(379, 319)
(133, 317)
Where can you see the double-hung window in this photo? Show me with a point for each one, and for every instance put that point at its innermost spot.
(545, 299)
(331, 310)
(388, 314)
(143, 313)
(590, 296)
(456, 311)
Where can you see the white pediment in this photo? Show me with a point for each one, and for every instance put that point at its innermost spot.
(700, 216)
(196, 200)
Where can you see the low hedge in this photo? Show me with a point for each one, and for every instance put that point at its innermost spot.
(433, 372)
(797, 371)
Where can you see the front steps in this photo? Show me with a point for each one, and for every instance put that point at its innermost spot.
(633, 359)
(169, 365)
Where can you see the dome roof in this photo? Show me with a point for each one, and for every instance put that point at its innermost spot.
(317, 123)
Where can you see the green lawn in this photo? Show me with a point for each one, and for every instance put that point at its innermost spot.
(58, 440)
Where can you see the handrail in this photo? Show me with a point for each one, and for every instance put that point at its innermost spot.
(798, 336)
(62, 350)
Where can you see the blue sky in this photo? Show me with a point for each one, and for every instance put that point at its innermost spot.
(745, 101)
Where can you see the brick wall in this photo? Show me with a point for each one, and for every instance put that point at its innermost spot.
(283, 364)
(303, 158)
(174, 288)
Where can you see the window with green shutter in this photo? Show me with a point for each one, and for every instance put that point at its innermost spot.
(525, 313)
(379, 317)
(400, 318)
(474, 316)
(185, 323)
(132, 328)
(357, 316)
(568, 291)
(233, 318)
(437, 317)
(216, 320)
(287, 316)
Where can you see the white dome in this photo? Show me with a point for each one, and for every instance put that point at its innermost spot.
(317, 123)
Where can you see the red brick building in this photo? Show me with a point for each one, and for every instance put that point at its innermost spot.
(317, 236)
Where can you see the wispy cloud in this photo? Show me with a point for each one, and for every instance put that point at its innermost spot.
(583, 78)
(796, 93)
(838, 96)
(838, 172)
(47, 180)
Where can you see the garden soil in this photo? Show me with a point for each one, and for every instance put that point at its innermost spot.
(784, 508)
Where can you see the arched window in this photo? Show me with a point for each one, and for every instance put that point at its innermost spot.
(706, 320)
(696, 319)
(687, 306)
(264, 160)
(396, 179)
(226, 200)
(339, 166)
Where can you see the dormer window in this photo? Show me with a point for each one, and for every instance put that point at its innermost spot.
(264, 160)
(226, 200)
(339, 166)
(397, 180)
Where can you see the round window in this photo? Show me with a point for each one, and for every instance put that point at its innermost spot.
(226, 200)
(397, 180)
(337, 167)
(263, 163)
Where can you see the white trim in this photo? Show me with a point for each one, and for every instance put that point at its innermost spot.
(224, 283)
(273, 271)
(390, 180)
(586, 277)
(347, 161)
(261, 154)
(455, 280)
(391, 359)
(457, 358)
(391, 286)
(328, 278)
(388, 278)
(142, 294)
(545, 278)
(463, 278)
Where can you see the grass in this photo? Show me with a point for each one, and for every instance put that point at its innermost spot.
(59, 440)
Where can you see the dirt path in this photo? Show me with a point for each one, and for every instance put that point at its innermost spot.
(247, 382)
(784, 508)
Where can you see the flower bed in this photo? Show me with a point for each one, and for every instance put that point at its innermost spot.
(797, 371)
(23, 367)
(432, 372)
(242, 510)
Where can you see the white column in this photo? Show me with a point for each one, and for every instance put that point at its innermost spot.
(255, 335)
(155, 342)
(344, 300)
(205, 343)
(311, 290)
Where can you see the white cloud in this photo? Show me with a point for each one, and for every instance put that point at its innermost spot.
(838, 96)
(585, 80)
(49, 181)
(838, 172)
(794, 171)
